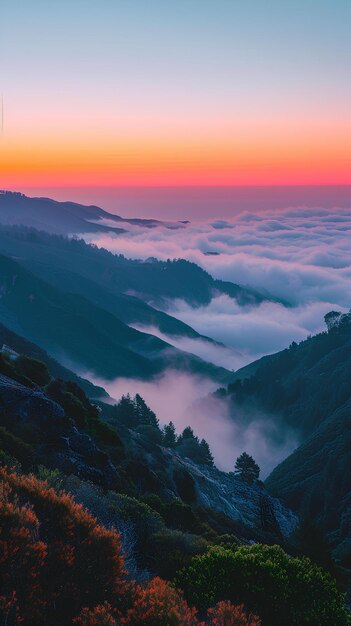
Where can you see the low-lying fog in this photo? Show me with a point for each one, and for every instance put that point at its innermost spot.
(175, 397)
(299, 256)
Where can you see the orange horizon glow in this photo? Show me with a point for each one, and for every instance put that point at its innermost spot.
(252, 161)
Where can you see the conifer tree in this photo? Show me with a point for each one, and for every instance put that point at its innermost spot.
(247, 468)
(144, 414)
(207, 458)
(169, 436)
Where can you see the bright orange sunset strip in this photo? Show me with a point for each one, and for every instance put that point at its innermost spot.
(323, 161)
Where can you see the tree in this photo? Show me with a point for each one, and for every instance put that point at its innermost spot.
(124, 411)
(169, 436)
(189, 445)
(144, 414)
(207, 458)
(187, 433)
(247, 468)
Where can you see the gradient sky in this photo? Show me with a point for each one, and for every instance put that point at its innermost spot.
(175, 92)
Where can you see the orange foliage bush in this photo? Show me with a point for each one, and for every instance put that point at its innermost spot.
(54, 555)
(226, 614)
(101, 615)
(159, 604)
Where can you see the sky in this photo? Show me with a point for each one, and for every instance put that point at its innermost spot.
(183, 92)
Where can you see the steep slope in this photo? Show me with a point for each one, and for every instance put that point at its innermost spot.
(20, 345)
(74, 330)
(307, 387)
(44, 433)
(316, 479)
(301, 385)
(74, 266)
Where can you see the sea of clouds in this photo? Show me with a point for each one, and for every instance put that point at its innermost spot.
(300, 256)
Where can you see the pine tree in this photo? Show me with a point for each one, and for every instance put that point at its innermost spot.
(125, 411)
(169, 436)
(247, 468)
(187, 433)
(205, 453)
(144, 414)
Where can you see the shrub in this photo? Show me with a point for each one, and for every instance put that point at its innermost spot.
(100, 615)
(160, 604)
(171, 550)
(180, 516)
(54, 554)
(33, 369)
(226, 614)
(22, 559)
(15, 447)
(281, 589)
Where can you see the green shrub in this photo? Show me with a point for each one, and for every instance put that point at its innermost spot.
(172, 550)
(181, 516)
(281, 589)
(14, 446)
(33, 369)
(155, 503)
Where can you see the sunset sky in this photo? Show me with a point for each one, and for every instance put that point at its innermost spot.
(175, 92)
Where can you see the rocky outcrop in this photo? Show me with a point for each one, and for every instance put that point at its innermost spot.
(55, 439)
(247, 504)
(164, 471)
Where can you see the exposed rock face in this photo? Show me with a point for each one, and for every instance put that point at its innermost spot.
(173, 476)
(230, 494)
(56, 440)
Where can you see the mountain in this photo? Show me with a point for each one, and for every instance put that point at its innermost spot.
(307, 389)
(81, 268)
(61, 217)
(151, 281)
(74, 330)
